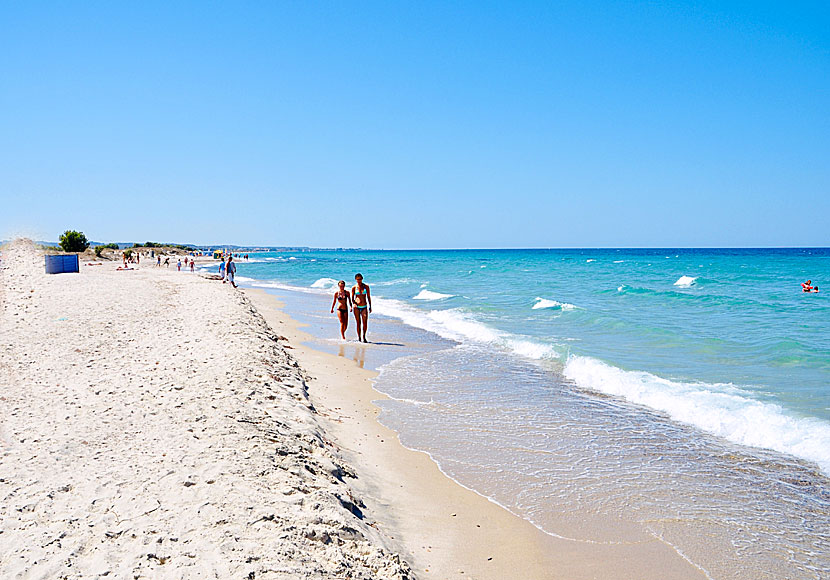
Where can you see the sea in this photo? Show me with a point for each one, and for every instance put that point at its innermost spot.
(684, 393)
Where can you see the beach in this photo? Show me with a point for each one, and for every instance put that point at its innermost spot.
(159, 424)
(162, 424)
(153, 426)
(655, 405)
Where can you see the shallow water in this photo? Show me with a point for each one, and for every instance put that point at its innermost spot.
(685, 391)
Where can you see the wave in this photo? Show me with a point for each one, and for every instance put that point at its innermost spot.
(590, 260)
(545, 303)
(429, 295)
(685, 281)
(459, 326)
(720, 409)
(325, 283)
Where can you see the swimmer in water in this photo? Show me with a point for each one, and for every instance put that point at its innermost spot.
(362, 301)
(806, 286)
(343, 308)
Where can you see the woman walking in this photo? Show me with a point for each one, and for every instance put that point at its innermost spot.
(362, 301)
(345, 304)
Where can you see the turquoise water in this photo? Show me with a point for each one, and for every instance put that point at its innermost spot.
(566, 382)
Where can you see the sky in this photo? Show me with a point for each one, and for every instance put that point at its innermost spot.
(417, 124)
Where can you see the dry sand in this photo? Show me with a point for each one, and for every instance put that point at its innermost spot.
(154, 426)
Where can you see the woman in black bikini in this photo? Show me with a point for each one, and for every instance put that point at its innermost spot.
(362, 300)
(343, 309)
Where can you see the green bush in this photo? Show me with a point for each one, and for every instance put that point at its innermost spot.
(72, 241)
(128, 253)
(98, 250)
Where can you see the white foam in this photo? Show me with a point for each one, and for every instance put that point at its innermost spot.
(591, 260)
(280, 286)
(685, 281)
(325, 283)
(545, 303)
(454, 324)
(619, 261)
(721, 409)
(429, 295)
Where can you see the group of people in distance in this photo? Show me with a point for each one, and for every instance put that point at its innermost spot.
(359, 301)
(808, 286)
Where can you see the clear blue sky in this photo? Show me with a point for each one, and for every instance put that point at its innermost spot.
(417, 124)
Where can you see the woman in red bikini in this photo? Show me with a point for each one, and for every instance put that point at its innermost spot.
(345, 305)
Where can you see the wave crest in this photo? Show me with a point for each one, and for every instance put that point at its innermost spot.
(720, 409)
(325, 283)
(685, 281)
(545, 303)
(429, 295)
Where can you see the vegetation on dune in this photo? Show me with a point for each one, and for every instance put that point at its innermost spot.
(99, 249)
(159, 245)
(72, 241)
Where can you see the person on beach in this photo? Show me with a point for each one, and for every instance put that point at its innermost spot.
(345, 305)
(167, 262)
(362, 301)
(192, 262)
(158, 261)
(231, 271)
(222, 270)
(179, 265)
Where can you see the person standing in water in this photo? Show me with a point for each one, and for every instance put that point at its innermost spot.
(362, 301)
(345, 305)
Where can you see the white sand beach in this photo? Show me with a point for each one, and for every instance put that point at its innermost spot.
(154, 427)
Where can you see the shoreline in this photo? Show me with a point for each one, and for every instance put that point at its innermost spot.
(447, 529)
(159, 424)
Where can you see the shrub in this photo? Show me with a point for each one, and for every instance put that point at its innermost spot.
(98, 250)
(128, 253)
(72, 241)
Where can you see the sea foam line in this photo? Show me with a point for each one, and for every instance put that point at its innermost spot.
(720, 409)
